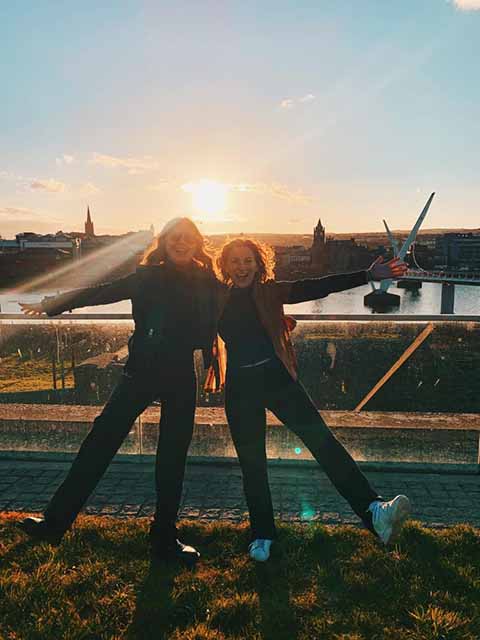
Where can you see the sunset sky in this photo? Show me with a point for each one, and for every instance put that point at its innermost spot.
(247, 116)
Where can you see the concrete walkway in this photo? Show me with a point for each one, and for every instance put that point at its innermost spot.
(214, 491)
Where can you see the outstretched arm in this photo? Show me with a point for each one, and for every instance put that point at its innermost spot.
(314, 288)
(108, 293)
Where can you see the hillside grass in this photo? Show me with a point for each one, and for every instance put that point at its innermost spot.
(35, 374)
(321, 582)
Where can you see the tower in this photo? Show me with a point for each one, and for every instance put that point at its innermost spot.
(319, 233)
(89, 231)
(318, 251)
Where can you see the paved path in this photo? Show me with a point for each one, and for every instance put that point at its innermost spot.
(214, 491)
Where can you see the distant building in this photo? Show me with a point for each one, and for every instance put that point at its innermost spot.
(459, 251)
(292, 256)
(31, 254)
(332, 256)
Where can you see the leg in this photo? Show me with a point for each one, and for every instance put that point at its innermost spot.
(292, 405)
(176, 430)
(109, 430)
(247, 421)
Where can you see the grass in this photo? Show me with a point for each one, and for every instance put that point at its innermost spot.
(322, 582)
(17, 374)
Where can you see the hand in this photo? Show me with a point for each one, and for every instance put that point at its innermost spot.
(394, 268)
(34, 309)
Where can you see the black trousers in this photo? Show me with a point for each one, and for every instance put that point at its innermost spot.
(129, 399)
(249, 391)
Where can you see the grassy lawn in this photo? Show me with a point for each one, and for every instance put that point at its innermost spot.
(30, 375)
(322, 582)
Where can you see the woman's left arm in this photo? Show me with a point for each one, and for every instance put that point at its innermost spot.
(314, 288)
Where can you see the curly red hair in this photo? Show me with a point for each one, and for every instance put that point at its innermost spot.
(263, 254)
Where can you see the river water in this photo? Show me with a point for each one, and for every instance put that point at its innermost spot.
(424, 302)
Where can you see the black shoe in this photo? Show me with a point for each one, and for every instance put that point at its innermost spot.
(40, 530)
(174, 551)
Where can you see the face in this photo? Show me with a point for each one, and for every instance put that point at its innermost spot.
(241, 266)
(181, 244)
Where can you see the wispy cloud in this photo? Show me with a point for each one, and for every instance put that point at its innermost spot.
(274, 189)
(290, 103)
(88, 189)
(308, 98)
(467, 5)
(12, 213)
(159, 185)
(65, 159)
(287, 103)
(134, 166)
(50, 185)
(8, 175)
(16, 219)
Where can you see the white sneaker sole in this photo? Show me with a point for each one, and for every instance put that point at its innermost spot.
(401, 512)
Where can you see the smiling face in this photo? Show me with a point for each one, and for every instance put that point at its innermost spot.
(181, 244)
(241, 266)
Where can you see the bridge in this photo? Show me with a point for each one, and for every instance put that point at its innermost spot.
(448, 280)
(450, 277)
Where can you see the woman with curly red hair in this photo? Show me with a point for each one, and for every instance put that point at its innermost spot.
(262, 374)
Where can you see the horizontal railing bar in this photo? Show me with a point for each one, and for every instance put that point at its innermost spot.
(339, 317)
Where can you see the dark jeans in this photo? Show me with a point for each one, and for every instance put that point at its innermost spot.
(248, 392)
(129, 399)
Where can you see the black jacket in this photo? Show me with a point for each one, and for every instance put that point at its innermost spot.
(153, 292)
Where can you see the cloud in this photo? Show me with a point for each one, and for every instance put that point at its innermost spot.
(8, 175)
(467, 5)
(159, 186)
(13, 213)
(290, 103)
(287, 103)
(50, 185)
(65, 159)
(134, 166)
(15, 220)
(275, 190)
(88, 189)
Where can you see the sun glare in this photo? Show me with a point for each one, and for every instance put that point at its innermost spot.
(208, 197)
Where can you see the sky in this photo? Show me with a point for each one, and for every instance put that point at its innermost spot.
(246, 116)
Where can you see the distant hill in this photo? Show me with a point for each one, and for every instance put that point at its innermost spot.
(305, 240)
(274, 239)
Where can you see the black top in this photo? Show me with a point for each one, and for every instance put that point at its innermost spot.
(245, 338)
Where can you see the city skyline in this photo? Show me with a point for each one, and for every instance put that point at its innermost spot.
(249, 118)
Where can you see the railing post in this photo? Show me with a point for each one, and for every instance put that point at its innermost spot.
(448, 298)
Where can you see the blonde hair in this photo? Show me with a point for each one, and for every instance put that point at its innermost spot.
(263, 254)
(156, 252)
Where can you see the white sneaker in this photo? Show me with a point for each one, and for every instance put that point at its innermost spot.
(259, 549)
(388, 517)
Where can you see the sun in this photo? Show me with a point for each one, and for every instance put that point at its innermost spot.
(208, 196)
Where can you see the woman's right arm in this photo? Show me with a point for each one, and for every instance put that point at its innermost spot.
(107, 293)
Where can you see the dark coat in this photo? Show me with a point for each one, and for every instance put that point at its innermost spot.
(149, 289)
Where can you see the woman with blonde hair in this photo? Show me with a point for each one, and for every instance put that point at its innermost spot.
(173, 295)
(262, 373)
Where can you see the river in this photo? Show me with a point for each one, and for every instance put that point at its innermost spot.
(424, 302)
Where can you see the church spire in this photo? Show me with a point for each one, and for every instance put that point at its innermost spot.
(89, 230)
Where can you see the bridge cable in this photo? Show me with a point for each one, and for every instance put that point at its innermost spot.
(415, 257)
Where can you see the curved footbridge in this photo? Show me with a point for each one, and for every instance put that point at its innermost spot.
(432, 457)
